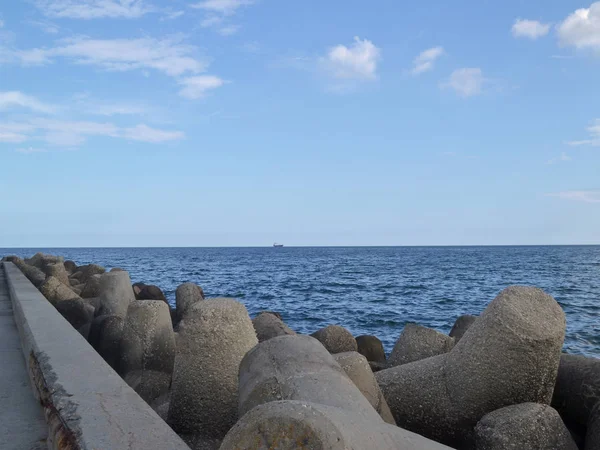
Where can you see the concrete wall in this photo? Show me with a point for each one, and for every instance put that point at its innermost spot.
(87, 405)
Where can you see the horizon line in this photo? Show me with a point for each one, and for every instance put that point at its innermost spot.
(308, 246)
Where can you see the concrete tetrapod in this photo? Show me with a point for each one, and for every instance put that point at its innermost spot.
(524, 426)
(213, 337)
(577, 394)
(268, 326)
(292, 425)
(148, 348)
(298, 368)
(371, 348)
(185, 296)
(116, 294)
(55, 291)
(417, 342)
(460, 327)
(510, 355)
(336, 339)
(105, 336)
(357, 368)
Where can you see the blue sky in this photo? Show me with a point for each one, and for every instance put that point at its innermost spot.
(243, 122)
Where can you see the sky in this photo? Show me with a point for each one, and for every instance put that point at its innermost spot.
(244, 122)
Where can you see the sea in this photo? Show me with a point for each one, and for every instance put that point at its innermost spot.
(369, 290)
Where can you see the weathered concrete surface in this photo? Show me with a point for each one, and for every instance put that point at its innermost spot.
(22, 424)
(357, 368)
(336, 339)
(460, 327)
(268, 326)
(523, 426)
(213, 337)
(298, 368)
(510, 355)
(87, 405)
(417, 342)
(292, 425)
(148, 349)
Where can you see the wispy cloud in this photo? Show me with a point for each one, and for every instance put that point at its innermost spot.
(218, 13)
(586, 196)
(426, 60)
(531, 29)
(144, 133)
(562, 158)
(173, 15)
(31, 150)
(170, 56)
(594, 136)
(225, 7)
(196, 87)
(356, 62)
(45, 25)
(466, 82)
(17, 99)
(1, 23)
(71, 133)
(94, 9)
(581, 29)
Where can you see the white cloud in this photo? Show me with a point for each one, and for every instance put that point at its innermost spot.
(144, 133)
(12, 99)
(581, 29)
(31, 150)
(228, 30)
(562, 158)
(174, 15)
(466, 82)
(357, 62)
(72, 133)
(594, 138)
(587, 196)
(45, 26)
(169, 55)
(426, 60)
(225, 7)
(1, 23)
(94, 9)
(531, 29)
(196, 87)
(11, 137)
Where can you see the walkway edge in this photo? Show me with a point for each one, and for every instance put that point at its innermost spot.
(87, 404)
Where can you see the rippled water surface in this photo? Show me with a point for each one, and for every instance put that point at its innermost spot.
(370, 290)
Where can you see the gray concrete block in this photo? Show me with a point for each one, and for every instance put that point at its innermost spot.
(461, 326)
(148, 348)
(417, 342)
(357, 368)
(290, 425)
(268, 326)
(185, 296)
(213, 337)
(55, 291)
(523, 426)
(298, 368)
(371, 348)
(509, 355)
(336, 339)
(116, 294)
(577, 390)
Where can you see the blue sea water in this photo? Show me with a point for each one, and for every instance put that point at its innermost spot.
(370, 290)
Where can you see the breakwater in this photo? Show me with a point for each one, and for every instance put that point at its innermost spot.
(223, 380)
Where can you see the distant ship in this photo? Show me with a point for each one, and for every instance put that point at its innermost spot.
(277, 245)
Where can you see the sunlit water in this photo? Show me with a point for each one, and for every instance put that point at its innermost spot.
(372, 290)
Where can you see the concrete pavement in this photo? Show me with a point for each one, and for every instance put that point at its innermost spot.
(22, 424)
